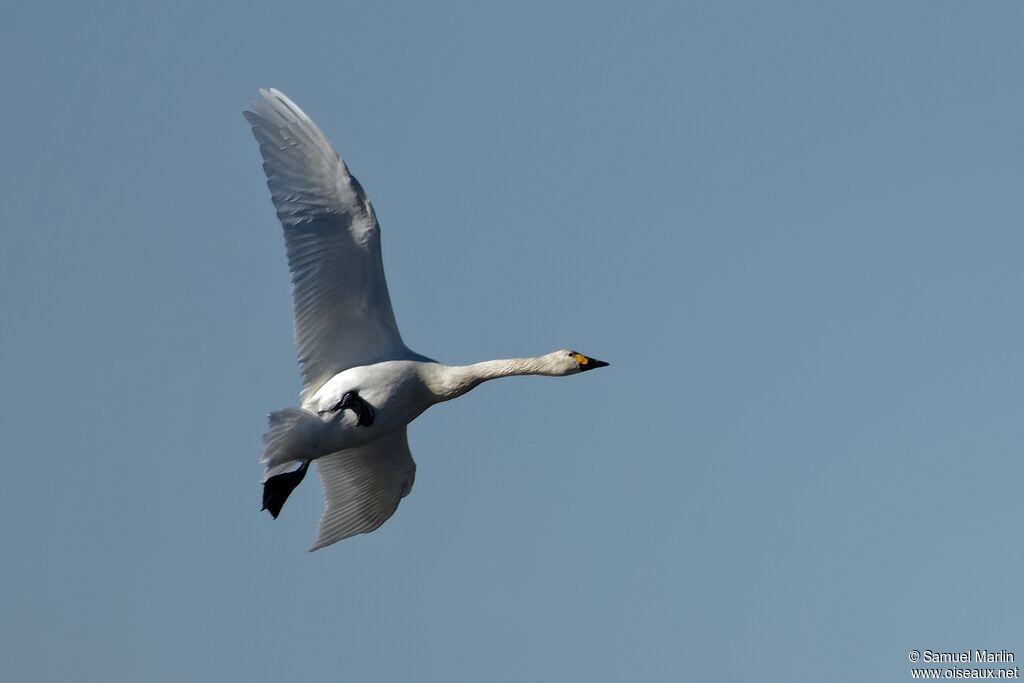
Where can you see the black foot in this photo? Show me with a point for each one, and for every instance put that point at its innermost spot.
(354, 402)
(277, 489)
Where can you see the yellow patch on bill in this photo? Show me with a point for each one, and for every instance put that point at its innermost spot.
(581, 359)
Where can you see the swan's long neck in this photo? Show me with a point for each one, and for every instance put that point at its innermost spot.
(453, 381)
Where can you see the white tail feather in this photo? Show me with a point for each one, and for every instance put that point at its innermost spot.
(291, 436)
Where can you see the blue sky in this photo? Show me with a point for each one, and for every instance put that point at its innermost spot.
(794, 229)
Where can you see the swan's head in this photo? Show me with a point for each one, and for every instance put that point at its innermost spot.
(569, 362)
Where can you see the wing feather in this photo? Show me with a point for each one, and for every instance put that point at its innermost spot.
(363, 486)
(342, 309)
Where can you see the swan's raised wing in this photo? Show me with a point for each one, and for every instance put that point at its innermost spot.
(363, 486)
(343, 315)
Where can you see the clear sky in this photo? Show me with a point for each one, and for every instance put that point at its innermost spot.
(794, 229)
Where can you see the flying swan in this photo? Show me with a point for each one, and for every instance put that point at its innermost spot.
(361, 384)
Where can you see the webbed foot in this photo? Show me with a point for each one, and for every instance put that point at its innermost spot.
(354, 402)
(277, 489)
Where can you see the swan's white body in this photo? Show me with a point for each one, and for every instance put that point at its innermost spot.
(346, 334)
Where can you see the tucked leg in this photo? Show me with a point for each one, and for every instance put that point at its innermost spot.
(354, 402)
(277, 489)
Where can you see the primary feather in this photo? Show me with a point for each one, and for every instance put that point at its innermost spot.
(343, 315)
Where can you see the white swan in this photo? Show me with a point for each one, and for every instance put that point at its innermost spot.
(361, 384)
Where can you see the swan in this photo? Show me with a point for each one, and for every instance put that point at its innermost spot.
(361, 385)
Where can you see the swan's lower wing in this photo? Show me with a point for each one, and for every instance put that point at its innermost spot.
(363, 486)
